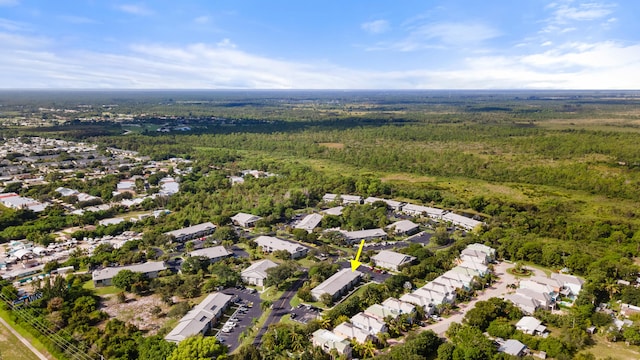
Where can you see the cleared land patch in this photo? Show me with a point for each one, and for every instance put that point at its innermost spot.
(332, 145)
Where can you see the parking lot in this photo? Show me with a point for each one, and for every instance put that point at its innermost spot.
(304, 313)
(243, 318)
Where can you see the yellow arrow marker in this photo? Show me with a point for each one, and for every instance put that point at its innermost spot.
(355, 263)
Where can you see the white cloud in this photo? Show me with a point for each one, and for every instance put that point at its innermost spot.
(441, 35)
(135, 9)
(10, 25)
(77, 19)
(457, 33)
(564, 13)
(571, 65)
(376, 26)
(226, 43)
(9, 2)
(201, 19)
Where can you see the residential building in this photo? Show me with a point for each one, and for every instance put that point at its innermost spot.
(349, 331)
(368, 323)
(628, 310)
(215, 253)
(529, 301)
(192, 232)
(270, 244)
(570, 282)
(168, 186)
(477, 267)
(530, 325)
(513, 347)
(111, 221)
(465, 280)
(338, 284)
(391, 260)
(328, 341)
(404, 227)
(309, 222)
(335, 211)
(245, 220)
(201, 318)
(475, 256)
(491, 252)
(343, 199)
(15, 201)
(468, 271)
(399, 306)
(366, 235)
(391, 204)
(439, 287)
(104, 276)
(257, 272)
(418, 210)
(542, 285)
(381, 312)
(461, 221)
(328, 197)
(427, 303)
(351, 199)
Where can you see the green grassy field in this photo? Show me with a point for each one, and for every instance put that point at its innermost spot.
(105, 290)
(9, 344)
(617, 350)
(12, 348)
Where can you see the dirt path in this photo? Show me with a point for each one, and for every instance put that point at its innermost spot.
(23, 340)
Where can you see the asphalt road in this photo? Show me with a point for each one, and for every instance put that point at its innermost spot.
(281, 307)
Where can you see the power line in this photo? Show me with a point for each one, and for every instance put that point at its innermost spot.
(58, 340)
(66, 346)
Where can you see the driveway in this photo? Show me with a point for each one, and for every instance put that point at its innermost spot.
(281, 307)
(498, 289)
(244, 320)
(239, 252)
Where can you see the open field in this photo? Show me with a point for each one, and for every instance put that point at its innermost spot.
(617, 350)
(14, 343)
(12, 348)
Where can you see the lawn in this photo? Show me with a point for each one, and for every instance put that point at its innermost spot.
(619, 350)
(271, 293)
(103, 290)
(12, 348)
(22, 350)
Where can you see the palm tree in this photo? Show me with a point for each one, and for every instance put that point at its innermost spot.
(368, 349)
(325, 323)
(296, 341)
(266, 304)
(357, 348)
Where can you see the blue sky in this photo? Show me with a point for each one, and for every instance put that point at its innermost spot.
(357, 44)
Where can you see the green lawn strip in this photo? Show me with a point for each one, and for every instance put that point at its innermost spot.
(102, 290)
(271, 294)
(12, 348)
(45, 350)
(295, 301)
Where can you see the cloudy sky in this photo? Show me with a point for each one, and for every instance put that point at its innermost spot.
(329, 44)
